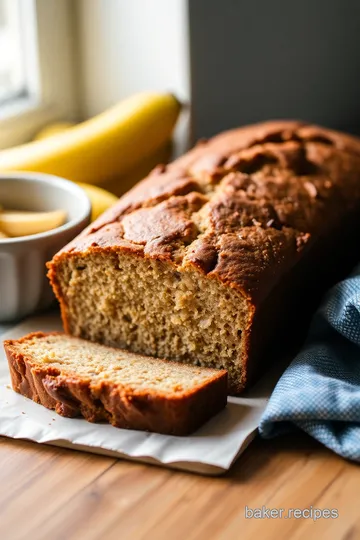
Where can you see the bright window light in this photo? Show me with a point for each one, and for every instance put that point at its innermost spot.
(15, 80)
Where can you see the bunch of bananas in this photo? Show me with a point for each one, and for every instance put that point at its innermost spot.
(113, 150)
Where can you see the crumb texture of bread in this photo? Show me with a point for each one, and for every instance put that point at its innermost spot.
(184, 265)
(76, 377)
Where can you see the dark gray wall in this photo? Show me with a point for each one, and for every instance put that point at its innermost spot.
(253, 60)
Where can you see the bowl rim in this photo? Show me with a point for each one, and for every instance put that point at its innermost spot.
(62, 183)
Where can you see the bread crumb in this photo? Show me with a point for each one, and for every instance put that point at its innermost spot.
(311, 189)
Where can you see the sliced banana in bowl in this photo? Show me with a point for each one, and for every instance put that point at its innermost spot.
(39, 215)
(16, 223)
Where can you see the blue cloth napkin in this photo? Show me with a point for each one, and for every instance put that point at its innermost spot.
(320, 390)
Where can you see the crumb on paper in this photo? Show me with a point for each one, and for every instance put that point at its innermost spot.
(22, 412)
(8, 386)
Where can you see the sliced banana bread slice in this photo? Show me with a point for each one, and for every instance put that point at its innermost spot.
(76, 377)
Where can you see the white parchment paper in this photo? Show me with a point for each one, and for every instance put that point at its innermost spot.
(211, 450)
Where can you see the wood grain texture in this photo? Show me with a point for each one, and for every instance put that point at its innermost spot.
(48, 492)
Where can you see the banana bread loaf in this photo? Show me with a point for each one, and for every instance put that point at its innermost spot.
(76, 377)
(219, 255)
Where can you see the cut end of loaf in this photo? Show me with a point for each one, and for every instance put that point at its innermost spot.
(76, 377)
(257, 209)
(153, 308)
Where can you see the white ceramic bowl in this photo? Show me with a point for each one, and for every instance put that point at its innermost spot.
(24, 287)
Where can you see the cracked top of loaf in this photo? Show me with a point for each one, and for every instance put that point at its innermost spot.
(241, 207)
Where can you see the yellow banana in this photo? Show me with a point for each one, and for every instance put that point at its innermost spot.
(53, 129)
(100, 199)
(104, 147)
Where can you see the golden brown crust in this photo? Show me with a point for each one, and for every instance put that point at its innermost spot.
(250, 197)
(123, 407)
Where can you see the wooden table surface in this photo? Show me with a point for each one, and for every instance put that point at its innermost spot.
(53, 493)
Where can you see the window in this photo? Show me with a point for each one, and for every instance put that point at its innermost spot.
(37, 75)
(19, 72)
(12, 64)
